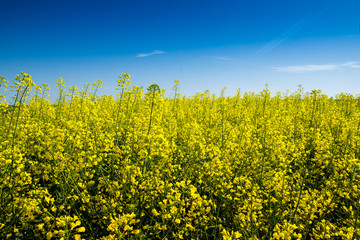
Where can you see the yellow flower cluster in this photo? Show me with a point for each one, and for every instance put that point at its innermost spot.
(144, 166)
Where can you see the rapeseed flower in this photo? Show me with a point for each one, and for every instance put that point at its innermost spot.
(140, 165)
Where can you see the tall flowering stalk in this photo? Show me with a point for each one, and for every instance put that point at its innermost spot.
(153, 91)
(23, 85)
(123, 83)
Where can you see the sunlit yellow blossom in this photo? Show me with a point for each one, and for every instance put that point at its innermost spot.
(155, 212)
(80, 229)
(146, 164)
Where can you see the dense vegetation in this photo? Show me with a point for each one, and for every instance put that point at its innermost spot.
(142, 166)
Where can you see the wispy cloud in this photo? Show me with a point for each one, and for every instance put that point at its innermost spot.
(305, 68)
(155, 52)
(223, 58)
(295, 28)
(351, 64)
(316, 68)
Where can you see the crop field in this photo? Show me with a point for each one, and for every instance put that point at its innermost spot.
(140, 165)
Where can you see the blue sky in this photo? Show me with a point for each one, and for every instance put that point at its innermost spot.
(207, 44)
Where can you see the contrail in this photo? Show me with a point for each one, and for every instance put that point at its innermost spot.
(287, 34)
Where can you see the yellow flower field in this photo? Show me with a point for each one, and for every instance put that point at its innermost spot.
(146, 166)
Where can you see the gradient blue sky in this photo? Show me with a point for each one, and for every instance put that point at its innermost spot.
(207, 44)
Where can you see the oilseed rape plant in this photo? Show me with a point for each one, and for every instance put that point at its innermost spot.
(144, 166)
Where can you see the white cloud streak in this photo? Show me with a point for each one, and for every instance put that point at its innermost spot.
(351, 64)
(316, 68)
(223, 58)
(295, 28)
(155, 52)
